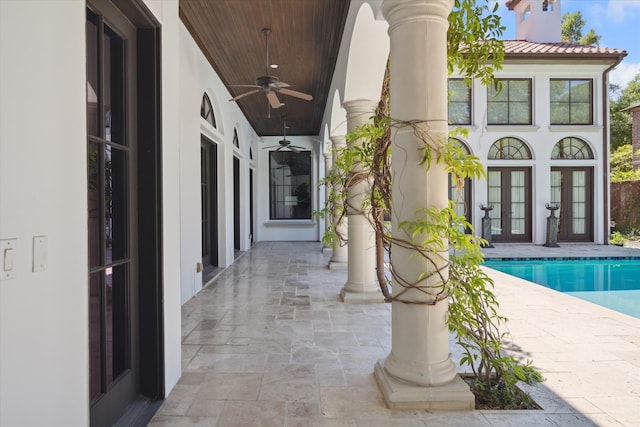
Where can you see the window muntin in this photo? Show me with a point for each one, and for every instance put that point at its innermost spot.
(236, 141)
(571, 101)
(206, 110)
(109, 211)
(510, 103)
(509, 149)
(290, 185)
(459, 102)
(571, 149)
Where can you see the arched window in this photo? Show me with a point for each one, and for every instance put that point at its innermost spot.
(460, 145)
(206, 110)
(571, 148)
(509, 149)
(236, 142)
(460, 190)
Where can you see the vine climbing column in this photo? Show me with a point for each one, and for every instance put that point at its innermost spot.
(361, 285)
(339, 255)
(328, 164)
(418, 372)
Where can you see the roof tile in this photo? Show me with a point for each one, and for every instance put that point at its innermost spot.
(517, 47)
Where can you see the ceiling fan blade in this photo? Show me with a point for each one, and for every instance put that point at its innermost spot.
(244, 86)
(251, 92)
(273, 99)
(297, 94)
(279, 85)
(294, 149)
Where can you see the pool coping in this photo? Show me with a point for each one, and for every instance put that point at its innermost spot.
(563, 258)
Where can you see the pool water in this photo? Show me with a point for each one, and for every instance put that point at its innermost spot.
(612, 283)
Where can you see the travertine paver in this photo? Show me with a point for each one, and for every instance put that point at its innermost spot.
(269, 343)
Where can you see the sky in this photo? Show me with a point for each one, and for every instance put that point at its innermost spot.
(617, 21)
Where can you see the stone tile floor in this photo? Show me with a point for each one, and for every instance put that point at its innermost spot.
(269, 343)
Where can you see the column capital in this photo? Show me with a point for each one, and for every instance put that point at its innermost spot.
(358, 107)
(338, 141)
(399, 12)
(359, 112)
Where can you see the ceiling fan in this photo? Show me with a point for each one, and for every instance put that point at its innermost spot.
(271, 85)
(284, 143)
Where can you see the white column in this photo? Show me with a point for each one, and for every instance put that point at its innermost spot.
(418, 372)
(339, 256)
(362, 284)
(328, 164)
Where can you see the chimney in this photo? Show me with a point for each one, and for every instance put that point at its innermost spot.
(537, 21)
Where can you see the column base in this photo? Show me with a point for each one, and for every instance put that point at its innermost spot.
(338, 265)
(361, 297)
(454, 396)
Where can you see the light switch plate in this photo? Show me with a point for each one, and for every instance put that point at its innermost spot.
(39, 253)
(8, 252)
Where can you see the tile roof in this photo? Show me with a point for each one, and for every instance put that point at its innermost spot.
(633, 107)
(515, 48)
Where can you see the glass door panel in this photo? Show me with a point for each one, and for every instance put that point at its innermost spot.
(509, 192)
(495, 200)
(572, 190)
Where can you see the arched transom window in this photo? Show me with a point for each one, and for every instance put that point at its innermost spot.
(236, 141)
(460, 146)
(571, 148)
(509, 149)
(206, 110)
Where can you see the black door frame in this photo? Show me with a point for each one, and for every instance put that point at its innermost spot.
(565, 215)
(209, 169)
(236, 203)
(251, 231)
(151, 279)
(147, 299)
(505, 215)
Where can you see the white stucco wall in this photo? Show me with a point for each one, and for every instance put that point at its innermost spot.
(540, 138)
(43, 191)
(166, 12)
(196, 77)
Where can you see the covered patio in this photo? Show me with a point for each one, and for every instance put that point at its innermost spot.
(270, 343)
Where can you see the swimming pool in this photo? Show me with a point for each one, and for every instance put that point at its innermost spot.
(612, 283)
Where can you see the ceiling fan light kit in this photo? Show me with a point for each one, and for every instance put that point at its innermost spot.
(269, 84)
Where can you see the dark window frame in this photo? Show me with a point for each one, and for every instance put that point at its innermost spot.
(570, 102)
(509, 148)
(281, 194)
(571, 148)
(504, 89)
(206, 110)
(236, 140)
(460, 104)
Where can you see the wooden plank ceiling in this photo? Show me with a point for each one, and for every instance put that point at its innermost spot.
(304, 42)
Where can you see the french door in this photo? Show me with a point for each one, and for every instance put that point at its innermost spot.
(124, 210)
(572, 191)
(509, 192)
(236, 204)
(209, 200)
(111, 49)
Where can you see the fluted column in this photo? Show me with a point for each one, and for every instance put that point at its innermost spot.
(339, 256)
(418, 372)
(328, 164)
(362, 284)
